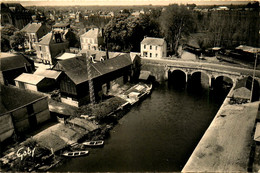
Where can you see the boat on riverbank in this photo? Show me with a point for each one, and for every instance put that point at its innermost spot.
(94, 143)
(75, 153)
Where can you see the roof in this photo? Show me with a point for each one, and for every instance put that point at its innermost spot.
(32, 27)
(59, 25)
(98, 55)
(76, 68)
(46, 39)
(13, 97)
(248, 49)
(47, 73)
(113, 64)
(144, 75)
(242, 92)
(92, 33)
(153, 41)
(66, 56)
(29, 78)
(11, 61)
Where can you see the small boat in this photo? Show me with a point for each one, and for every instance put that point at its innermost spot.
(94, 143)
(75, 153)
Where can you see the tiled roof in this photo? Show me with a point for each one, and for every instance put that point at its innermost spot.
(47, 73)
(9, 61)
(29, 78)
(32, 27)
(92, 33)
(153, 41)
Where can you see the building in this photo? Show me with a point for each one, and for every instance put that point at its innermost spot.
(92, 39)
(50, 46)
(14, 14)
(74, 81)
(21, 111)
(12, 65)
(35, 82)
(34, 32)
(153, 47)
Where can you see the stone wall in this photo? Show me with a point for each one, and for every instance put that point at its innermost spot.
(157, 70)
(6, 127)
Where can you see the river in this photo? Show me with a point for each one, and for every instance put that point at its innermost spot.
(158, 134)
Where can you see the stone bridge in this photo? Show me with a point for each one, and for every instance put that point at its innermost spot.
(212, 70)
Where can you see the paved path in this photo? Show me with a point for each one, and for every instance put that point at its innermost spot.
(226, 145)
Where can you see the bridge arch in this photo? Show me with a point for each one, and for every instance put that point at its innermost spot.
(177, 75)
(192, 74)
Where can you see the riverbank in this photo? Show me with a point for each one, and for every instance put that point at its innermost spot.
(91, 122)
(226, 145)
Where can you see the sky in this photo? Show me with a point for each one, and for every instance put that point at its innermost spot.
(122, 2)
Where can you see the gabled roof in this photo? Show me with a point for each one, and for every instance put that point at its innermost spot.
(47, 73)
(9, 61)
(32, 27)
(153, 41)
(76, 68)
(92, 33)
(29, 78)
(113, 64)
(46, 39)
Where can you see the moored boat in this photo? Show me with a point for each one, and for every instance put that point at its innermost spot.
(75, 153)
(94, 143)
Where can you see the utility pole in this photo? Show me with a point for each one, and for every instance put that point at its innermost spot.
(252, 87)
(90, 82)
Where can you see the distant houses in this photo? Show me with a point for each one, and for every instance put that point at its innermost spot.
(92, 39)
(12, 65)
(34, 32)
(153, 47)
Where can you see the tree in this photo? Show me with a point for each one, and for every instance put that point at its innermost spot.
(176, 21)
(18, 39)
(6, 32)
(124, 32)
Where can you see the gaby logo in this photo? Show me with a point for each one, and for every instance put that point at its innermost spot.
(22, 152)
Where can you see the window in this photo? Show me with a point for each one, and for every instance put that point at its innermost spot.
(145, 54)
(151, 47)
(150, 54)
(156, 55)
(155, 47)
(144, 46)
(40, 48)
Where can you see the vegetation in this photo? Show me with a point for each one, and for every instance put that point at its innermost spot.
(17, 40)
(6, 32)
(176, 22)
(101, 110)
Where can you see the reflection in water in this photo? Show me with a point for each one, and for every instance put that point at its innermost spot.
(158, 134)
